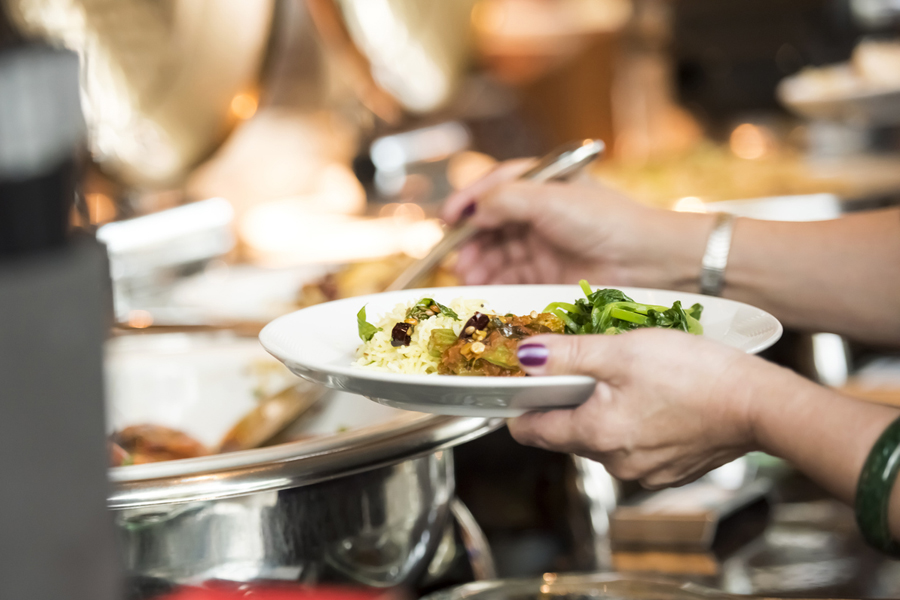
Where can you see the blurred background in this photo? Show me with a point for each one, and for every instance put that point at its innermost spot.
(316, 133)
(240, 160)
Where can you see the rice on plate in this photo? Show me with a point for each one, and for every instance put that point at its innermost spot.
(380, 354)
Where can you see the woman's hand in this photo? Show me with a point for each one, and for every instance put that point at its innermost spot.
(565, 232)
(668, 406)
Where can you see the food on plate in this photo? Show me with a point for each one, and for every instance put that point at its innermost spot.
(400, 343)
(873, 67)
(488, 343)
(369, 277)
(610, 311)
(426, 337)
(153, 443)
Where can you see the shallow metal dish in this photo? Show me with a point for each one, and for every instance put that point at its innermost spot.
(368, 505)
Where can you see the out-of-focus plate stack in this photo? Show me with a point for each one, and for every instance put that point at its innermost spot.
(865, 90)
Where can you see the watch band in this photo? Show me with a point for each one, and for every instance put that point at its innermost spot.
(715, 259)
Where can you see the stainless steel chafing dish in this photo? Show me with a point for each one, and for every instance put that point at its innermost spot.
(369, 505)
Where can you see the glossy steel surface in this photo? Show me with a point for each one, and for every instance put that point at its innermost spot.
(377, 528)
(290, 465)
(368, 505)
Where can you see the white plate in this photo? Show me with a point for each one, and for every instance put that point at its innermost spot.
(320, 342)
(850, 104)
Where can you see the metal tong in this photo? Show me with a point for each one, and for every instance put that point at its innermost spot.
(560, 164)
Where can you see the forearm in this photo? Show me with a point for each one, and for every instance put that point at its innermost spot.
(841, 276)
(825, 435)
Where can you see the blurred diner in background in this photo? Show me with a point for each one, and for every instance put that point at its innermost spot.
(176, 174)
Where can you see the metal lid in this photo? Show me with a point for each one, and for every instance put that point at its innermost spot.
(291, 465)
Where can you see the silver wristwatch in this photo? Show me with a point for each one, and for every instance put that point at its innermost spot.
(715, 259)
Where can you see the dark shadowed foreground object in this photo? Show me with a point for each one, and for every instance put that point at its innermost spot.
(56, 532)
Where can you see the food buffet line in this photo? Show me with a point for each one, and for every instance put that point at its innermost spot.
(247, 162)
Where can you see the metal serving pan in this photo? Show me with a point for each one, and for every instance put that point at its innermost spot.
(367, 500)
(368, 506)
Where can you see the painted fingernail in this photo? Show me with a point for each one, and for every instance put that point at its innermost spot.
(468, 211)
(533, 355)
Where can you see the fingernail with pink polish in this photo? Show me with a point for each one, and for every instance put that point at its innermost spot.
(533, 355)
(468, 211)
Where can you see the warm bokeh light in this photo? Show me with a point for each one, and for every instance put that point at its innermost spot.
(243, 106)
(749, 141)
(388, 210)
(140, 319)
(406, 211)
(421, 237)
(466, 168)
(101, 208)
(690, 204)
(284, 233)
(415, 49)
(409, 212)
(522, 40)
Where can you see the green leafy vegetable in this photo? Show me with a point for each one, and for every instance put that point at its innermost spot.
(447, 311)
(424, 306)
(366, 329)
(501, 355)
(695, 311)
(440, 340)
(610, 311)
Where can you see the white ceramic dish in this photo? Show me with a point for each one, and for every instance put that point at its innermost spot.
(851, 103)
(319, 343)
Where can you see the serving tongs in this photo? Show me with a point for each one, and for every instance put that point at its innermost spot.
(559, 165)
(272, 415)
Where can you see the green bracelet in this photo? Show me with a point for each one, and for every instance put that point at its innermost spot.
(873, 491)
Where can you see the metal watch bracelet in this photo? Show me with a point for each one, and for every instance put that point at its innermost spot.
(715, 258)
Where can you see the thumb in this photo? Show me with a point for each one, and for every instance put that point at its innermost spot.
(597, 356)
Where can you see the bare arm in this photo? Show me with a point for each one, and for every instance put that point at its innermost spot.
(825, 435)
(841, 276)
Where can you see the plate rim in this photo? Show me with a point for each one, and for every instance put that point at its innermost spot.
(349, 370)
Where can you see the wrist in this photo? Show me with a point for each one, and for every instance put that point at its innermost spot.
(780, 402)
(669, 250)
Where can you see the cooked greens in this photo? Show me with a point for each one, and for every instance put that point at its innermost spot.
(366, 329)
(441, 339)
(486, 344)
(610, 311)
(401, 334)
(427, 307)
